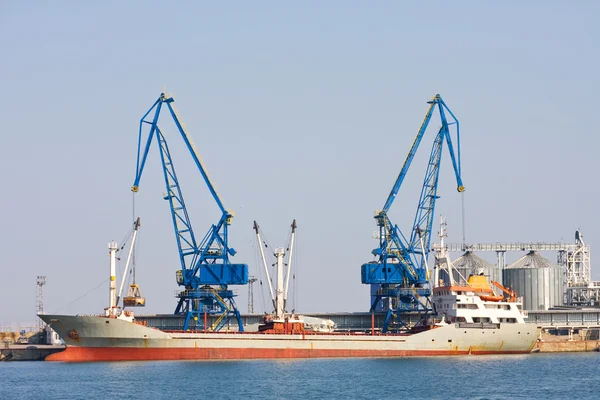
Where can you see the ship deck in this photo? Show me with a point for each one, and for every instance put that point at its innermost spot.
(361, 321)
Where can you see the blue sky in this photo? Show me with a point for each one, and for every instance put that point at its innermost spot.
(302, 110)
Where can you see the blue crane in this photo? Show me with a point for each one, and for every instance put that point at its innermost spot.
(400, 269)
(206, 271)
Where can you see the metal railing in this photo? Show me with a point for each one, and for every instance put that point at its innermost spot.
(517, 246)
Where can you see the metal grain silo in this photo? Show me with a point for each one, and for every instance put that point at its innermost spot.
(468, 264)
(537, 280)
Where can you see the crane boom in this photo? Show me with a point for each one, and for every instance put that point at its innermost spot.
(195, 154)
(136, 227)
(262, 255)
(289, 264)
(409, 158)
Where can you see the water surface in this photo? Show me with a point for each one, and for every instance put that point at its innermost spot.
(538, 376)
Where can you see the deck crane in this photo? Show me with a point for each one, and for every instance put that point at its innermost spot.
(509, 294)
(206, 270)
(280, 294)
(134, 296)
(400, 269)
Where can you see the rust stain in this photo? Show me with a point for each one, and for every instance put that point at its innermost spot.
(73, 334)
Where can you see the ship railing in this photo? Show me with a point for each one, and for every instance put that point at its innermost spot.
(202, 292)
(478, 325)
(392, 292)
(517, 246)
(306, 333)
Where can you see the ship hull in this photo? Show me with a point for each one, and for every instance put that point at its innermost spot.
(91, 338)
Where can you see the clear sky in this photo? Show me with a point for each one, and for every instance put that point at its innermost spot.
(300, 110)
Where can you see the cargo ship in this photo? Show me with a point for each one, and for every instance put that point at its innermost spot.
(100, 338)
(467, 319)
(464, 324)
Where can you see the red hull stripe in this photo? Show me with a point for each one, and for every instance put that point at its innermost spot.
(80, 354)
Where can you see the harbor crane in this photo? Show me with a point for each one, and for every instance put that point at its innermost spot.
(400, 269)
(206, 270)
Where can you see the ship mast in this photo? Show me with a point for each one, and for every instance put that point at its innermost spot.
(442, 260)
(279, 311)
(112, 291)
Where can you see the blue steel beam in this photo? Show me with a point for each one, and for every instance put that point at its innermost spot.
(410, 157)
(422, 225)
(139, 168)
(186, 139)
(184, 234)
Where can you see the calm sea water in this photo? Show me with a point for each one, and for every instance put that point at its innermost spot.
(538, 376)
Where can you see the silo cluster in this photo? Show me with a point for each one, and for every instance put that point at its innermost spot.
(537, 280)
(469, 263)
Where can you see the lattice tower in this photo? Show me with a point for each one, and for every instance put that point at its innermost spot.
(251, 281)
(39, 299)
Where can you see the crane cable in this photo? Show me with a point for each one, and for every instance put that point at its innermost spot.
(295, 283)
(135, 247)
(464, 236)
(269, 254)
(82, 296)
(257, 261)
(294, 262)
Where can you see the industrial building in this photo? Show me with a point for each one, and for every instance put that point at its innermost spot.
(542, 284)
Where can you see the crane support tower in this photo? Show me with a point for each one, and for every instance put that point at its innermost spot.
(400, 266)
(206, 270)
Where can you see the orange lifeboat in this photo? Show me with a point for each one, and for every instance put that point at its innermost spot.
(483, 289)
(511, 295)
(491, 297)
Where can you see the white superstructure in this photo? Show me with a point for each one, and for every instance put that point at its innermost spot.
(465, 304)
(473, 302)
